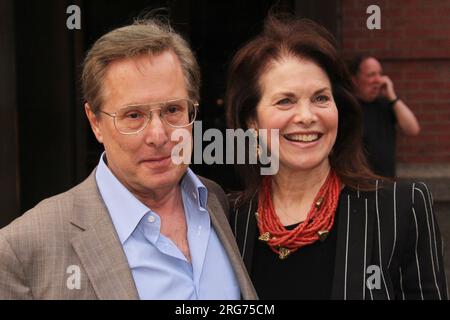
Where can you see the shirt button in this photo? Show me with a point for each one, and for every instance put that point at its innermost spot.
(151, 219)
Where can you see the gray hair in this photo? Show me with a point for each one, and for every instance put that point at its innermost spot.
(148, 36)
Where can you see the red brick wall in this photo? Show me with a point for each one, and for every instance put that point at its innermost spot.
(414, 48)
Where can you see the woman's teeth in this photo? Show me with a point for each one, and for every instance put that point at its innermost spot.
(302, 137)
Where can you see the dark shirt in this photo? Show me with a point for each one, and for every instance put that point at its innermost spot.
(379, 123)
(306, 274)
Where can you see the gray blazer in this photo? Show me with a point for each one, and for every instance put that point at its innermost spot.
(73, 231)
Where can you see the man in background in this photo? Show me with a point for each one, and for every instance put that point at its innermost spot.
(383, 112)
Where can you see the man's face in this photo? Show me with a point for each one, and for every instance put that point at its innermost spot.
(368, 81)
(141, 161)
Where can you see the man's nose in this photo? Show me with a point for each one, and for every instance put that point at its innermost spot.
(156, 131)
(378, 78)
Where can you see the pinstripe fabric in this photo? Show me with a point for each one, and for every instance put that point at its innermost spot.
(392, 230)
(75, 229)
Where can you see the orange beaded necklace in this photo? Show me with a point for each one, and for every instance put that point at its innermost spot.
(317, 225)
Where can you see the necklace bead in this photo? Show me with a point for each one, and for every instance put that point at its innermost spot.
(317, 225)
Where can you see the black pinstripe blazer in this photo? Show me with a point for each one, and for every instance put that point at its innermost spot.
(408, 260)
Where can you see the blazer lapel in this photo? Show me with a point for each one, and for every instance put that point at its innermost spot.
(223, 230)
(247, 221)
(98, 246)
(354, 246)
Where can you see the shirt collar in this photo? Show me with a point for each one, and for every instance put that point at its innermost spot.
(124, 208)
(192, 185)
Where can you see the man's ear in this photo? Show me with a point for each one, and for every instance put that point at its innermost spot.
(94, 122)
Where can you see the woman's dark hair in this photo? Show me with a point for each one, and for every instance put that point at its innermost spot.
(301, 38)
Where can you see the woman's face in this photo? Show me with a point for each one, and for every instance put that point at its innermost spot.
(297, 99)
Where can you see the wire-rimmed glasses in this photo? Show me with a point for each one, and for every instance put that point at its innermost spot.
(178, 113)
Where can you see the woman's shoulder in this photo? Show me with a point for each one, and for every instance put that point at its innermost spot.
(399, 195)
(393, 188)
(233, 198)
(239, 200)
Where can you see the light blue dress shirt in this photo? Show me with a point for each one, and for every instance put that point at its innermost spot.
(159, 269)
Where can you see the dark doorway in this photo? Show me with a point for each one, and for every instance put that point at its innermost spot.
(50, 145)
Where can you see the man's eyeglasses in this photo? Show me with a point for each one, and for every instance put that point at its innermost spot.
(132, 119)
